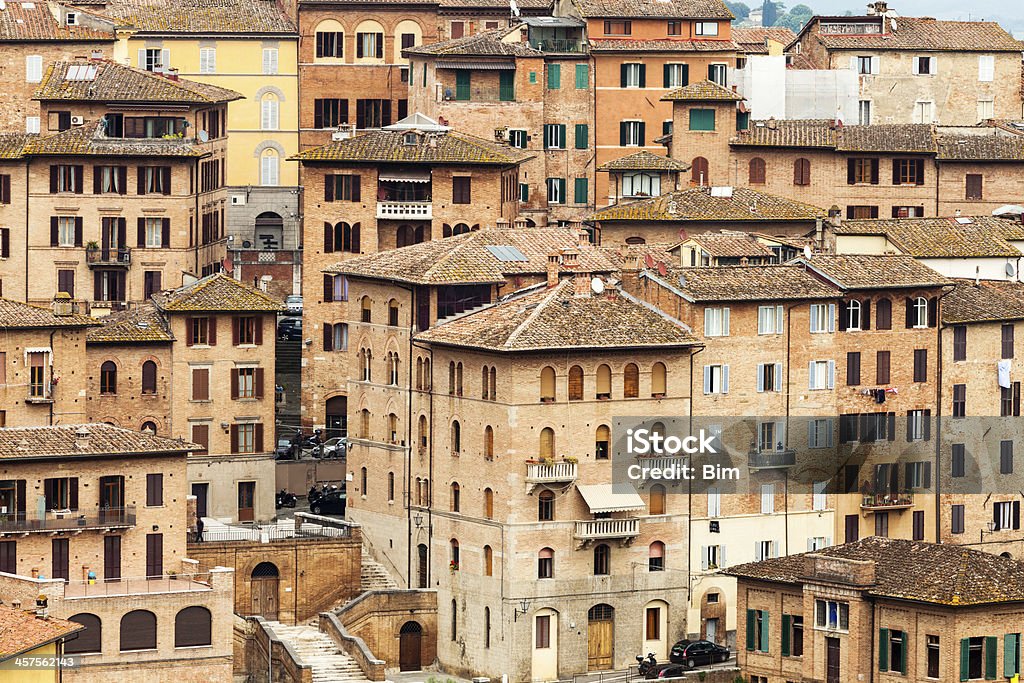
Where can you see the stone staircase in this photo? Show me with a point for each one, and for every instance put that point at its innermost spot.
(318, 651)
(373, 575)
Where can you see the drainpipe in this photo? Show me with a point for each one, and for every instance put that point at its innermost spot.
(689, 503)
(937, 435)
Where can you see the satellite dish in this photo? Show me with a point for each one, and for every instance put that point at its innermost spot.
(597, 285)
(648, 261)
(662, 270)
(807, 251)
(1009, 270)
(203, 136)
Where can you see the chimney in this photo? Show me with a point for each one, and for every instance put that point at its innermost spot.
(171, 73)
(519, 222)
(957, 213)
(570, 258)
(611, 290)
(62, 304)
(581, 285)
(553, 263)
(501, 223)
(744, 261)
(82, 437)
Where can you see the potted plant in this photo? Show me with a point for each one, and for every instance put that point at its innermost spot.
(548, 462)
(453, 566)
(92, 245)
(571, 459)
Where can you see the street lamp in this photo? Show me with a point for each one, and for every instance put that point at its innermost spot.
(524, 606)
(418, 520)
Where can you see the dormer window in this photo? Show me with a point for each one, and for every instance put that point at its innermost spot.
(411, 139)
(71, 19)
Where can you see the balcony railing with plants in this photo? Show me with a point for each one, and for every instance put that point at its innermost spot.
(887, 501)
(69, 520)
(106, 256)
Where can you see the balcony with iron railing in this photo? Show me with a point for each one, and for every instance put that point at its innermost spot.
(138, 585)
(770, 458)
(561, 472)
(598, 529)
(108, 256)
(883, 502)
(563, 45)
(68, 520)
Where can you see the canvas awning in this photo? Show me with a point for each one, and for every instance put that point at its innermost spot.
(611, 497)
(476, 65)
(406, 176)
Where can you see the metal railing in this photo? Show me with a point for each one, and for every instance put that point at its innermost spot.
(557, 45)
(881, 501)
(771, 458)
(108, 255)
(69, 520)
(607, 528)
(405, 210)
(269, 533)
(138, 585)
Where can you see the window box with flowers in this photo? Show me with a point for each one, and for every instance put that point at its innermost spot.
(453, 566)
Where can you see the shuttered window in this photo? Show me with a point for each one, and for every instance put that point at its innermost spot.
(59, 551)
(604, 381)
(193, 627)
(882, 367)
(89, 640)
(155, 489)
(575, 383)
(138, 631)
(154, 554)
(200, 384)
(974, 186)
(201, 436)
(9, 557)
(758, 171)
(631, 381)
(802, 172)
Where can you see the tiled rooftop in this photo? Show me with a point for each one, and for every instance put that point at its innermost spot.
(660, 45)
(788, 133)
(217, 292)
(554, 318)
(465, 259)
(88, 139)
(754, 40)
(18, 315)
(484, 44)
(985, 301)
(389, 146)
(963, 237)
(113, 82)
(925, 33)
(702, 91)
(942, 574)
(202, 16)
(897, 137)
(731, 244)
(695, 9)
(84, 439)
(140, 325)
(21, 630)
(749, 283)
(995, 144)
(12, 144)
(697, 204)
(21, 22)
(644, 161)
(875, 272)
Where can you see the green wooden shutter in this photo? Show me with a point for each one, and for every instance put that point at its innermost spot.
(561, 191)
(686, 76)
(1010, 663)
(667, 69)
(582, 76)
(561, 136)
(903, 652)
(582, 135)
(965, 658)
(786, 619)
(554, 76)
(524, 192)
(883, 649)
(623, 133)
(764, 631)
(506, 86)
(547, 135)
(462, 89)
(643, 133)
(580, 191)
(643, 75)
(623, 69)
(750, 630)
(991, 645)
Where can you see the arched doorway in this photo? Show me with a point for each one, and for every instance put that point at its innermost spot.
(600, 637)
(336, 409)
(263, 588)
(421, 565)
(269, 230)
(409, 639)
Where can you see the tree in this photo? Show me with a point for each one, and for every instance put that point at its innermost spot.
(795, 19)
(770, 12)
(739, 9)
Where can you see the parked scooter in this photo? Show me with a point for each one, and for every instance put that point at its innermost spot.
(285, 499)
(648, 668)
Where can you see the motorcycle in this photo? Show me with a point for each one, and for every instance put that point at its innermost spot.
(285, 500)
(648, 668)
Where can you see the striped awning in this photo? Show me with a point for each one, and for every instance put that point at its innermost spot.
(406, 176)
(475, 65)
(611, 497)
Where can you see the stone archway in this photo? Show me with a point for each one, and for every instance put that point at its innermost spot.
(264, 590)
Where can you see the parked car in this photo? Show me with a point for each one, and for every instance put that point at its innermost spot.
(284, 449)
(290, 329)
(330, 503)
(293, 304)
(335, 447)
(697, 652)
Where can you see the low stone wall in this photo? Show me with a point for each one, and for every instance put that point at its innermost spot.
(354, 646)
(284, 667)
(376, 619)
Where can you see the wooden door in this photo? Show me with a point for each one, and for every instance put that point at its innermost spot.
(600, 638)
(246, 498)
(59, 549)
(154, 555)
(409, 638)
(202, 493)
(832, 660)
(422, 566)
(852, 528)
(264, 597)
(111, 558)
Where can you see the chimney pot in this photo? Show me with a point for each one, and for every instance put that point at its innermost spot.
(553, 263)
(519, 222)
(581, 285)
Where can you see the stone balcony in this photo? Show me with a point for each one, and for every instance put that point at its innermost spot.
(405, 210)
(554, 473)
(624, 529)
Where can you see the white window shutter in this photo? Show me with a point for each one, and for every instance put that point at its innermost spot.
(725, 321)
(142, 58)
(814, 318)
(721, 556)
(778, 377)
(828, 541)
(707, 379)
(915, 65)
(812, 434)
(831, 317)
(780, 433)
(810, 544)
(810, 376)
(707, 322)
(165, 58)
(760, 377)
(704, 557)
(933, 63)
(831, 374)
(775, 548)
(725, 379)
(758, 555)
(778, 320)
(828, 432)
(875, 66)
(853, 64)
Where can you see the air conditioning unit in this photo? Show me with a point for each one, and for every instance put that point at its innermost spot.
(77, 120)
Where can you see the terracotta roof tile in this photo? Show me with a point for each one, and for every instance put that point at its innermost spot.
(983, 302)
(84, 439)
(553, 318)
(19, 23)
(896, 137)
(88, 139)
(731, 244)
(991, 145)
(465, 259)
(749, 283)
(483, 44)
(389, 146)
(788, 133)
(662, 45)
(202, 16)
(143, 325)
(18, 315)
(874, 272)
(695, 9)
(12, 144)
(644, 161)
(943, 574)
(966, 237)
(21, 631)
(634, 256)
(113, 82)
(754, 40)
(702, 91)
(531, 7)
(217, 292)
(697, 204)
(925, 33)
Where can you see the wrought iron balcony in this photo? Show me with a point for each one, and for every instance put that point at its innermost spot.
(401, 210)
(68, 520)
(555, 473)
(108, 256)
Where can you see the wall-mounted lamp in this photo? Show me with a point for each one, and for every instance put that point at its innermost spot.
(524, 605)
(418, 520)
(225, 426)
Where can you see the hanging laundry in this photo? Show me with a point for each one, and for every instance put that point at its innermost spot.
(1003, 370)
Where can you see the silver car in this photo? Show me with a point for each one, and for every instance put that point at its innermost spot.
(293, 304)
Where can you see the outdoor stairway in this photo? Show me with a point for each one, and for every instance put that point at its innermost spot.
(373, 575)
(317, 650)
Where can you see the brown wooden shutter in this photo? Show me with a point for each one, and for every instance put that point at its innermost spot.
(165, 233)
(189, 340)
(234, 384)
(200, 384)
(631, 381)
(122, 180)
(89, 639)
(258, 336)
(933, 311)
(165, 171)
(258, 443)
(575, 383)
(5, 189)
(328, 238)
(328, 188)
(201, 436)
(234, 438)
(211, 330)
(258, 383)
(882, 367)
(78, 231)
(79, 185)
(20, 494)
(97, 177)
(851, 171)
(54, 231)
(355, 187)
(122, 232)
(53, 180)
(154, 561)
(141, 181)
(140, 232)
(865, 314)
(328, 337)
(97, 285)
(155, 489)
(193, 627)
(5, 243)
(138, 628)
(328, 288)
(73, 493)
(234, 331)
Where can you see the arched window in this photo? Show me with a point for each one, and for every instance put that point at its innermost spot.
(341, 237)
(193, 627)
(659, 380)
(426, 374)
(269, 112)
(547, 385)
(391, 487)
(138, 631)
(802, 172)
(392, 428)
(406, 235)
(604, 382)
(419, 374)
(575, 383)
(419, 492)
(488, 503)
(602, 443)
(494, 384)
(149, 426)
(635, 240)
(89, 640)
(458, 379)
(699, 171)
(362, 480)
(454, 499)
(393, 313)
(367, 364)
(365, 310)
(456, 437)
(270, 167)
(656, 557)
(546, 564)
(369, 43)
(330, 44)
(484, 378)
(422, 432)
(546, 506)
(488, 443)
(487, 626)
(547, 443)
(269, 235)
(108, 377)
(917, 312)
(364, 423)
(393, 368)
(488, 561)
(453, 553)
(853, 313)
(883, 313)
(455, 613)
(407, 34)
(657, 500)
(602, 560)
(757, 171)
(460, 229)
(451, 378)
(149, 377)
(631, 381)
